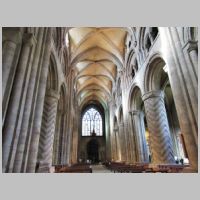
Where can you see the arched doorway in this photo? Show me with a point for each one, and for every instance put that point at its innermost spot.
(93, 151)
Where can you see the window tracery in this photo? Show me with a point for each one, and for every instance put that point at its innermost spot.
(92, 123)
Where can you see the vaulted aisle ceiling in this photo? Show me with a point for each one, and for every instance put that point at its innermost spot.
(96, 55)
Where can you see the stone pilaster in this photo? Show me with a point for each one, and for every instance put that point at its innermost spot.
(11, 45)
(47, 131)
(160, 140)
(184, 88)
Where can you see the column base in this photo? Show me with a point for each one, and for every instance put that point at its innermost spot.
(43, 168)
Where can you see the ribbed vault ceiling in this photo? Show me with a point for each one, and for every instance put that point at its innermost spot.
(96, 55)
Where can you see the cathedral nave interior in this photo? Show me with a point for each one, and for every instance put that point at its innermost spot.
(108, 99)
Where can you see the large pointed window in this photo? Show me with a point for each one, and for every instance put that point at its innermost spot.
(92, 123)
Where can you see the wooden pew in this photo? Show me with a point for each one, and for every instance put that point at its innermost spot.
(77, 168)
(113, 166)
(121, 167)
(171, 168)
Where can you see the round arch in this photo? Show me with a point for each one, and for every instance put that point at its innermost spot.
(135, 89)
(52, 78)
(155, 76)
(156, 79)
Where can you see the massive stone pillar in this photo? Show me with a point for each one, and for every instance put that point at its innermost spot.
(127, 142)
(11, 45)
(65, 132)
(133, 139)
(143, 138)
(118, 154)
(69, 146)
(160, 140)
(32, 149)
(114, 145)
(184, 84)
(16, 103)
(139, 136)
(47, 131)
(62, 140)
(29, 102)
(122, 142)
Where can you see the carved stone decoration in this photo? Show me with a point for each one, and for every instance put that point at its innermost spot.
(160, 140)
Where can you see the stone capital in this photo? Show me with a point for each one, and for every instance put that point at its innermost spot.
(29, 39)
(191, 45)
(153, 94)
(135, 112)
(13, 35)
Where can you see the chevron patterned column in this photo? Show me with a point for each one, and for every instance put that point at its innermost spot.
(56, 160)
(47, 132)
(160, 140)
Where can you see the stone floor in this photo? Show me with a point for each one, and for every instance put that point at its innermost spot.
(100, 169)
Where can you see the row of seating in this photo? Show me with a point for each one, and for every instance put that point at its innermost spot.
(122, 167)
(76, 168)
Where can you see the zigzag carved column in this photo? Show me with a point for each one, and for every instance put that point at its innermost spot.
(47, 132)
(160, 140)
(56, 159)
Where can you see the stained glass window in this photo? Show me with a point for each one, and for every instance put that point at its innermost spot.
(92, 122)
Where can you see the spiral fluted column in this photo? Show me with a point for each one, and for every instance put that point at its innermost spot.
(160, 140)
(47, 131)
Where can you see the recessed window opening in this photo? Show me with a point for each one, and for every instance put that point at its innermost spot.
(92, 123)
